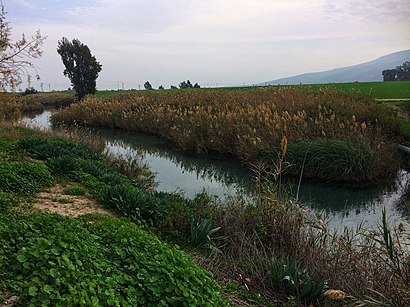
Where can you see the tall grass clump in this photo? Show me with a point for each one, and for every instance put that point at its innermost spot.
(247, 123)
(37, 102)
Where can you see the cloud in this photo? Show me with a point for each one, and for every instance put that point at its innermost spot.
(369, 10)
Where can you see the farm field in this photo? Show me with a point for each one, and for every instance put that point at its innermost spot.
(380, 90)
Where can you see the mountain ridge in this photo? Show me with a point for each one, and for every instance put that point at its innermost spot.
(370, 71)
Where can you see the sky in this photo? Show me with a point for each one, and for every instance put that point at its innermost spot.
(211, 42)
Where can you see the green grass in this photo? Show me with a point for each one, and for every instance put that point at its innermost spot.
(381, 90)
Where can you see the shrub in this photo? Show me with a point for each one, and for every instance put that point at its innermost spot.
(54, 260)
(23, 177)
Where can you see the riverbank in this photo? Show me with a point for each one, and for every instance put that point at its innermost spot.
(239, 253)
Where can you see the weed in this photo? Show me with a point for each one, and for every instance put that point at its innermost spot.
(202, 235)
(75, 190)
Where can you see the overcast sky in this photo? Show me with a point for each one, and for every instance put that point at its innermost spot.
(224, 42)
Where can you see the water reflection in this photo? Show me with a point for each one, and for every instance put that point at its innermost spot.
(190, 174)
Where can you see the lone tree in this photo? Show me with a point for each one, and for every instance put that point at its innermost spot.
(80, 66)
(400, 73)
(16, 56)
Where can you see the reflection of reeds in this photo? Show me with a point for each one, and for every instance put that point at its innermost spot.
(242, 123)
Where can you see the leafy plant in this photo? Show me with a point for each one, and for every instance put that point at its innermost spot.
(133, 202)
(202, 235)
(95, 260)
(287, 277)
(23, 177)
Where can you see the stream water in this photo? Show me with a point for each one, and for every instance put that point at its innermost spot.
(222, 176)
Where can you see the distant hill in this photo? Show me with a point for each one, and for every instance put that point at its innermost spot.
(365, 72)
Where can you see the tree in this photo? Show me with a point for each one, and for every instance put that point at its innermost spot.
(161, 87)
(16, 56)
(147, 86)
(173, 87)
(400, 73)
(81, 67)
(196, 85)
(186, 84)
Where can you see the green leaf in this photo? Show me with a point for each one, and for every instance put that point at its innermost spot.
(32, 291)
(48, 289)
(22, 258)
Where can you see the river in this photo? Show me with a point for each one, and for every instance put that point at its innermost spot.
(224, 177)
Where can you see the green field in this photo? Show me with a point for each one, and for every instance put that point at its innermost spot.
(381, 90)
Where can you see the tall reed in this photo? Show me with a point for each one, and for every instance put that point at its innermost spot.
(245, 123)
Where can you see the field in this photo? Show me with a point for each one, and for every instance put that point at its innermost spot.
(329, 135)
(380, 90)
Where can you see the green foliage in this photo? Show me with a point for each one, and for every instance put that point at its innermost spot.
(75, 190)
(323, 158)
(7, 200)
(202, 235)
(54, 260)
(63, 166)
(81, 67)
(287, 277)
(23, 177)
(134, 202)
(43, 148)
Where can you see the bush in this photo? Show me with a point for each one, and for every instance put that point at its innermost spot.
(23, 177)
(54, 260)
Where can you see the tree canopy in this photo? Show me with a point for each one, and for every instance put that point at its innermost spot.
(400, 73)
(147, 85)
(16, 56)
(81, 67)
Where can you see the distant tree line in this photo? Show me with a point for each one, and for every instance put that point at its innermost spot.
(182, 85)
(400, 73)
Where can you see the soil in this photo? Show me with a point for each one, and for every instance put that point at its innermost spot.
(55, 201)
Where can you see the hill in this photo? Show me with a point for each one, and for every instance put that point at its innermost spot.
(365, 72)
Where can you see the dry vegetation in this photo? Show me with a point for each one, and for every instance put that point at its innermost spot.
(250, 125)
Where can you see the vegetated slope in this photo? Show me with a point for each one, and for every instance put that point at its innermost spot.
(365, 72)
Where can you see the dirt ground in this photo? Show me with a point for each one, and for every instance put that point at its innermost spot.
(54, 200)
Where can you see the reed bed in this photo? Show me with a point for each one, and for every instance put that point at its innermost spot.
(36, 102)
(249, 124)
(9, 107)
